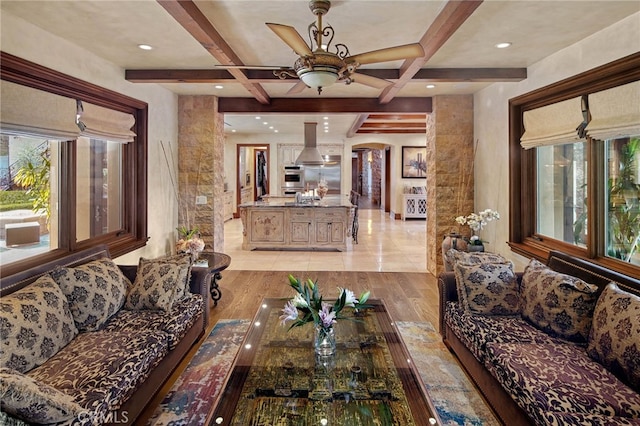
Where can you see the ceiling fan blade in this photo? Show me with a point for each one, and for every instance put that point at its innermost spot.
(292, 37)
(297, 88)
(413, 50)
(367, 80)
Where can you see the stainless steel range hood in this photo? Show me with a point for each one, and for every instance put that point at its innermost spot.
(310, 156)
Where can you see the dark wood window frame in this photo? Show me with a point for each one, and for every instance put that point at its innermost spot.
(522, 167)
(133, 233)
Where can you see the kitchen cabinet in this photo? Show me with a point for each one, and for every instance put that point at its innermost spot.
(287, 154)
(246, 195)
(228, 205)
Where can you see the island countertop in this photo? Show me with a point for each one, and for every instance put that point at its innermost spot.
(307, 204)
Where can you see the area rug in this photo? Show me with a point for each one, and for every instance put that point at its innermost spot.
(193, 394)
(453, 395)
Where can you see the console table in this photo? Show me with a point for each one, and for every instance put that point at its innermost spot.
(414, 206)
(216, 263)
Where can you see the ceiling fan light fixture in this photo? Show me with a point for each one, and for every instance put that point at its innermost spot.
(318, 77)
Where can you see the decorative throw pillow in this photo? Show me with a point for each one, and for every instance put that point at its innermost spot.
(454, 256)
(95, 290)
(34, 402)
(156, 286)
(558, 304)
(35, 323)
(488, 288)
(614, 340)
(180, 260)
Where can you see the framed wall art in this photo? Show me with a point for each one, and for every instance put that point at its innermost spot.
(414, 162)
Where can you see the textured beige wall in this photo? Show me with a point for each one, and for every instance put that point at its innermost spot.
(201, 167)
(450, 151)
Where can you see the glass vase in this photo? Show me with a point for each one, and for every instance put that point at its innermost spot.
(324, 341)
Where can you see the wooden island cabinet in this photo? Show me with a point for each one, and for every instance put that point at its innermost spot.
(296, 226)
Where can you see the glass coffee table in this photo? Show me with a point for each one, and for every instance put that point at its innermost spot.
(276, 378)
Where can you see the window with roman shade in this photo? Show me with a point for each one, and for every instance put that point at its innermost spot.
(579, 195)
(97, 122)
(615, 112)
(552, 124)
(30, 112)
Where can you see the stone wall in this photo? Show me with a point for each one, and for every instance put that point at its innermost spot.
(450, 156)
(200, 167)
(376, 177)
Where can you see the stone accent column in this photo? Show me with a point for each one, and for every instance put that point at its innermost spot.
(450, 157)
(201, 167)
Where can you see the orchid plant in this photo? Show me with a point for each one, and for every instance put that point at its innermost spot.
(307, 305)
(476, 221)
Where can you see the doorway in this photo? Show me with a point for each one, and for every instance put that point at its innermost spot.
(252, 172)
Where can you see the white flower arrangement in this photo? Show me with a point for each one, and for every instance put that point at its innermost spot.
(476, 221)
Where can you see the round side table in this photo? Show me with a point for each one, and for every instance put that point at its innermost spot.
(217, 262)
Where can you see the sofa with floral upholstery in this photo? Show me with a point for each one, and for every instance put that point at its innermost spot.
(557, 344)
(84, 341)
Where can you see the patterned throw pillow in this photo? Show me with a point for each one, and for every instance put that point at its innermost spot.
(558, 304)
(614, 340)
(454, 256)
(34, 402)
(157, 285)
(95, 290)
(488, 288)
(35, 323)
(179, 260)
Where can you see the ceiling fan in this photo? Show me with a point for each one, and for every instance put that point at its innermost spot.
(317, 67)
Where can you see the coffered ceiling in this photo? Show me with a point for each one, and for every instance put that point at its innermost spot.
(189, 39)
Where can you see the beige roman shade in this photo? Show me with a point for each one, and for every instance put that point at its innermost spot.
(25, 111)
(552, 124)
(615, 112)
(105, 124)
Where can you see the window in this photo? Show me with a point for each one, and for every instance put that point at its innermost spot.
(89, 174)
(576, 186)
(562, 192)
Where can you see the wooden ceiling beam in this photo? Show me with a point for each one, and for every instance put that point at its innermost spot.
(328, 105)
(391, 131)
(357, 124)
(392, 125)
(187, 14)
(425, 75)
(398, 117)
(452, 16)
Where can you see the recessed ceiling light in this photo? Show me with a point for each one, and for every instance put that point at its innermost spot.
(270, 127)
(325, 118)
(503, 45)
(430, 86)
(217, 86)
(145, 47)
(326, 130)
(233, 131)
(258, 117)
(265, 123)
(275, 131)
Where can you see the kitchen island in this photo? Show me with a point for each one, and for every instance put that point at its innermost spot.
(310, 225)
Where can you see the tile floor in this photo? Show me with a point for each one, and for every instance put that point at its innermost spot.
(384, 245)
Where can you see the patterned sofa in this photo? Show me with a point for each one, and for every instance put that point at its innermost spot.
(87, 342)
(557, 344)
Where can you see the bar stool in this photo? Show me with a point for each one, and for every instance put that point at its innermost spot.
(354, 197)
